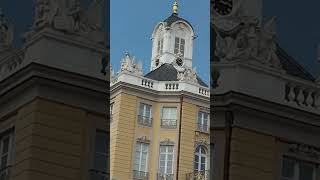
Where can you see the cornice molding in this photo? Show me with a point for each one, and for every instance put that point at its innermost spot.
(122, 85)
(38, 81)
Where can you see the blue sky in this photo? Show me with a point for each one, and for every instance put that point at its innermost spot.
(132, 23)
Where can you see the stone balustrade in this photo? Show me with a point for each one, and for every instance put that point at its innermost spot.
(302, 95)
(147, 83)
(172, 86)
(164, 86)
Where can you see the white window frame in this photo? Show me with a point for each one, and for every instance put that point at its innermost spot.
(144, 111)
(146, 118)
(166, 159)
(296, 172)
(201, 123)
(199, 154)
(180, 45)
(169, 121)
(140, 156)
(160, 46)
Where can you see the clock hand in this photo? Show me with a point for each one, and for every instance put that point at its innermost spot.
(227, 3)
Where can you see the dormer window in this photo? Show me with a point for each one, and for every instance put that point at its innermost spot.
(160, 46)
(179, 46)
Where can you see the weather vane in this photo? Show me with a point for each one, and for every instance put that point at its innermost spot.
(175, 7)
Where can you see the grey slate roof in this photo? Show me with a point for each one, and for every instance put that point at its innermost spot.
(173, 18)
(166, 72)
(292, 67)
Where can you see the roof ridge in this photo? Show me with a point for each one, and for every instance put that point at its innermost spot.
(290, 59)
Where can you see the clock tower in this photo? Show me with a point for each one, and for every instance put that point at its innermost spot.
(172, 41)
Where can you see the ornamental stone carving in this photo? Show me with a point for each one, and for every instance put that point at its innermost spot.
(143, 139)
(128, 64)
(167, 142)
(6, 32)
(201, 139)
(305, 150)
(248, 41)
(68, 16)
(187, 74)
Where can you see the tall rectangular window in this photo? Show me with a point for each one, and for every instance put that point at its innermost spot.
(182, 44)
(169, 117)
(111, 111)
(203, 119)
(293, 169)
(160, 46)
(145, 114)
(141, 157)
(101, 156)
(166, 159)
(179, 46)
(6, 151)
(176, 45)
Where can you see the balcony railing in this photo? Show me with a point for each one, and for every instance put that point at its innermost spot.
(166, 86)
(97, 175)
(140, 175)
(203, 127)
(5, 173)
(169, 123)
(145, 121)
(164, 176)
(198, 175)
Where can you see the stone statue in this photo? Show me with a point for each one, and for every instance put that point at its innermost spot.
(249, 41)
(45, 11)
(128, 64)
(68, 16)
(187, 75)
(6, 31)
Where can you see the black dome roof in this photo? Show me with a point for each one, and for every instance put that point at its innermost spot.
(167, 72)
(174, 18)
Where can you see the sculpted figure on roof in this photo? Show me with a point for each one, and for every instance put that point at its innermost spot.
(6, 31)
(129, 64)
(68, 16)
(249, 41)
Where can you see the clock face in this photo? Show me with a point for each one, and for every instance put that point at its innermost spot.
(179, 61)
(223, 7)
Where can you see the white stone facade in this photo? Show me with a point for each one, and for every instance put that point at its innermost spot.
(179, 29)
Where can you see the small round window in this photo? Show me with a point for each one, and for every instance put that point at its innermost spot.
(179, 61)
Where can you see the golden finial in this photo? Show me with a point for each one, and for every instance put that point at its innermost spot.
(175, 7)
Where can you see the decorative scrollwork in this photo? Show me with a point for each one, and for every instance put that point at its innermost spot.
(305, 150)
(167, 142)
(143, 139)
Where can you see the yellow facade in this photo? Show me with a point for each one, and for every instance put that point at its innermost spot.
(51, 140)
(253, 155)
(125, 131)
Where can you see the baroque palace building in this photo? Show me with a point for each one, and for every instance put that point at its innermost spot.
(160, 120)
(266, 121)
(53, 120)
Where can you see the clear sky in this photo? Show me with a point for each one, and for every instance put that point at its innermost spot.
(132, 23)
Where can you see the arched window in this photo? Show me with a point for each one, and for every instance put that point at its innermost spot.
(200, 159)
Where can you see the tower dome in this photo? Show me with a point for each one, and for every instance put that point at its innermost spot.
(172, 41)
